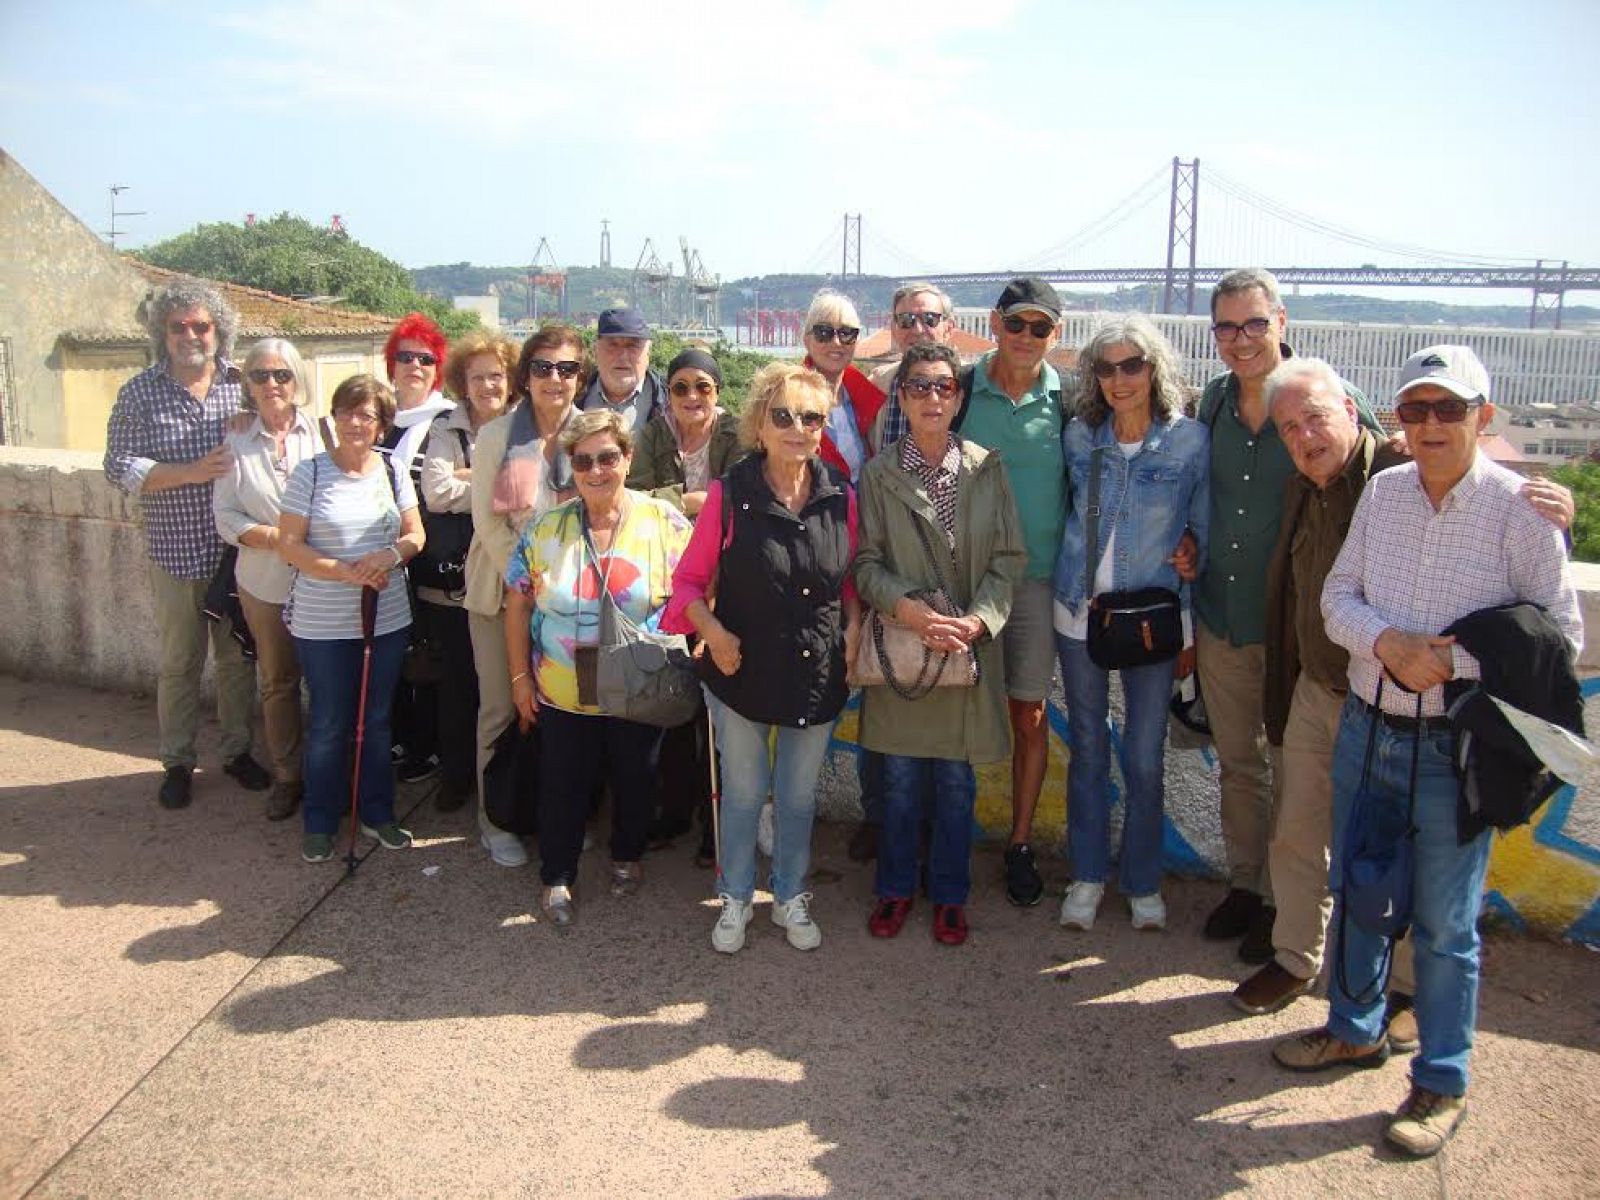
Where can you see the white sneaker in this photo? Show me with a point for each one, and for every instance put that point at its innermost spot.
(506, 849)
(764, 829)
(1081, 903)
(1149, 912)
(794, 918)
(727, 935)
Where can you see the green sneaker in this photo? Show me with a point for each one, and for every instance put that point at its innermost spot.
(390, 836)
(316, 847)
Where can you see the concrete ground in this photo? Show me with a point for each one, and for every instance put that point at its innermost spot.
(188, 1009)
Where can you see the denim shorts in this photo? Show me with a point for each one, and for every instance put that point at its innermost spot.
(1029, 641)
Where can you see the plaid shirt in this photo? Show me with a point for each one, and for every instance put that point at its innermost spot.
(940, 479)
(895, 424)
(156, 421)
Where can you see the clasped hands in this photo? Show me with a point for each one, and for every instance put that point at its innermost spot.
(937, 631)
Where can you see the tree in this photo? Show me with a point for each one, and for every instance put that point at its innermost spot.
(291, 256)
(1584, 480)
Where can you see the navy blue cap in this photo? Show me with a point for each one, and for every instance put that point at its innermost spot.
(623, 322)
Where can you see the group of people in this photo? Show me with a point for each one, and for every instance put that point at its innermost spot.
(943, 536)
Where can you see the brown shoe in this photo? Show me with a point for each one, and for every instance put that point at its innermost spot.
(1268, 990)
(1319, 1050)
(283, 799)
(1425, 1122)
(1404, 1037)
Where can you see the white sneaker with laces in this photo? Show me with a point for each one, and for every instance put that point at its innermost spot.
(727, 935)
(794, 918)
(764, 822)
(1148, 912)
(506, 849)
(1081, 903)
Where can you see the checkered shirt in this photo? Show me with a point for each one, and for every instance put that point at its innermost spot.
(1409, 567)
(939, 479)
(156, 421)
(895, 423)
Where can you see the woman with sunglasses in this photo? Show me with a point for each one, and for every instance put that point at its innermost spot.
(774, 544)
(608, 542)
(1153, 468)
(519, 472)
(937, 516)
(349, 523)
(832, 328)
(683, 448)
(246, 504)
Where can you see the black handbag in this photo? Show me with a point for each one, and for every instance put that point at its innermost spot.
(511, 780)
(442, 565)
(1135, 628)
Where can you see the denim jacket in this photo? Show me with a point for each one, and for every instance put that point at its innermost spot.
(1148, 500)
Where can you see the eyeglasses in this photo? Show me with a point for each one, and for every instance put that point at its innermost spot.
(543, 368)
(198, 328)
(1039, 329)
(356, 416)
(701, 387)
(1447, 412)
(784, 418)
(279, 375)
(847, 334)
(929, 320)
(415, 356)
(1128, 366)
(605, 460)
(921, 387)
(1255, 328)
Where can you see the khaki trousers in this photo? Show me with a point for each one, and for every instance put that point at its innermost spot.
(278, 677)
(183, 630)
(495, 708)
(1301, 833)
(1232, 679)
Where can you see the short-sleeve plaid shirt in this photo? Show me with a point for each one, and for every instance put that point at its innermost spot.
(155, 421)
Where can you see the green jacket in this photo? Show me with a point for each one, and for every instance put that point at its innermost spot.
(968, 723)
(658, 469)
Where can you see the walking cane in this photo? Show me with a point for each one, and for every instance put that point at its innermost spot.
(716, 791)
(369, 621)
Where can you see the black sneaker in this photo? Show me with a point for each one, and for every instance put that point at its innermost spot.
(1231, 919)
(252, 776)
(416, 770)
(1023, 885)
(452, 796)
(176, 786)
(1257, 944)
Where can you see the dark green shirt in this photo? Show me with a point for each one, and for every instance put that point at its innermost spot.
(1249, 473)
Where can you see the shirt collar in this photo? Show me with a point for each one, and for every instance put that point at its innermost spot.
(912, 459)
(1047, 381)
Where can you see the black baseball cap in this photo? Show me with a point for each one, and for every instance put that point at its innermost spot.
(1028, 293)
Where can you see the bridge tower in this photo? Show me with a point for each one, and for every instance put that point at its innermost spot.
(1542, 302)
(851, 264)
(605, 242)
(1183, 223)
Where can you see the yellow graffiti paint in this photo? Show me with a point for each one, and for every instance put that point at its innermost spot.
(1549, 889)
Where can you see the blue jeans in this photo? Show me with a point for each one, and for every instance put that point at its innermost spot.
(954, 788)
(1146, 692)
(1447, 892)
(749, 773)
(332, 671)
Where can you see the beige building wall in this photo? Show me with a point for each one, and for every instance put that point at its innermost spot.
(90, 380)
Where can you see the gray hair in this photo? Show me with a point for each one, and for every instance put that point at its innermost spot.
(1247, 279)
(916, 288)
(583, 425)
(833, 307)
(278, 348)
(1168, 393)
(1294, 370)
(188, 293)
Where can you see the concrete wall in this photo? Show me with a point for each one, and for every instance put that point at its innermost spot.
(75, 606)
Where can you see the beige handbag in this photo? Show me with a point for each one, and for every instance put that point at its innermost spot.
(893, 654)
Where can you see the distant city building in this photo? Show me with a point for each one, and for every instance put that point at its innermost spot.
(487, 308)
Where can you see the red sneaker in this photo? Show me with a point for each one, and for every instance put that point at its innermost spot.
(949, 924)
(889, 916)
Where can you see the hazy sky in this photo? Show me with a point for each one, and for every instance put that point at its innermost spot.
(973, 135)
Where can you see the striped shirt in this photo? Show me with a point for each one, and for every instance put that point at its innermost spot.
(348, 517)
(155, 421)
(1409, 567)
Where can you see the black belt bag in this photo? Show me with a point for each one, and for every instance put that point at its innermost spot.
(1136, 628)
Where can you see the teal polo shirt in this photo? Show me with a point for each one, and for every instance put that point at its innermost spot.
(1027, 436)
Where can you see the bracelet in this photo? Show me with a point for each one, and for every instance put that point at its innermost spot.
(517, 676)
(399, 559)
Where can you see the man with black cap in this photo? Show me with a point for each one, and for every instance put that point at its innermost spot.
(624, 382)
(1015, 407)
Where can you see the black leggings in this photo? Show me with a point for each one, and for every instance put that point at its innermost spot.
(576, 752)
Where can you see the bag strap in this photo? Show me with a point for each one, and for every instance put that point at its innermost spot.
(466, 448)
(1092, 525)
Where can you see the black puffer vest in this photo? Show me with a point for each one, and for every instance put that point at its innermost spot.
(778, 586)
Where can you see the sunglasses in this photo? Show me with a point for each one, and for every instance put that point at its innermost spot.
(700, 387)
(415, 356)
(198, 328)
(1447, 412)
(1039, 329)
(1255, 328)
(784, 418)
(921, 387)
(847, 334)
(910, 320)
(605, 460)
(543, 368)
(278, 375)
(356, 416)
(1128, 366)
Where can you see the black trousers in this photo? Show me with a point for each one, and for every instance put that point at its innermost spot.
(685, 771)
(577, 751)
(456, 696)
